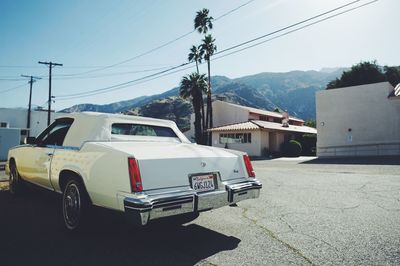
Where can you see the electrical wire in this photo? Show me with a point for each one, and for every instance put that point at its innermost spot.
(292, 31)
(158, 47)
(122, 84)
(11, 79)
(13, 88)
(288, 27)
(168, 71)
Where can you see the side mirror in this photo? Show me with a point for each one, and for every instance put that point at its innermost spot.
(30, 140)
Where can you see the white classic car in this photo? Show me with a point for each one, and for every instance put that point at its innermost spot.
(141, 166)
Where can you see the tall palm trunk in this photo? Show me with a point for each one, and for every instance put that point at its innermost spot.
(203, 124)
(198, 134)
(209, 103)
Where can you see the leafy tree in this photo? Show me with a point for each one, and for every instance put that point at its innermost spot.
(311, 123)
(209, 49)
(392, 75)
(366, 73)
(193, 86)
(203, 22)
(362, 73)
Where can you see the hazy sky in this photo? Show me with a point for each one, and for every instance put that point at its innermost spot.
(86, 35)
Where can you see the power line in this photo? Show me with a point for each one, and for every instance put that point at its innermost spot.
(13, 88)
(160, 46)
(122, 84)
(125, 66)
(112, 88)
(101, 75)
(292, 31)
(168, 71)
(233, 10)
(288, 27)
(10, 79)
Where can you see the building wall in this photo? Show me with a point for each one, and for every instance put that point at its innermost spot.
(223, 114)
(17, 118)
(9, 137)
(253, 148)
(358, 121)
(227, 114)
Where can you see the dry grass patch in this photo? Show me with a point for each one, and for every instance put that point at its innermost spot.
(4, 185)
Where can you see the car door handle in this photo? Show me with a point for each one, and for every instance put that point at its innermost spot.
(49, 154)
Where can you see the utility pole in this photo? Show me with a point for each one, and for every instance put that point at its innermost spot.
(51, 65)
(31, 81)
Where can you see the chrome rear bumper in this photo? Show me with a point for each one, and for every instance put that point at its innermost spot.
(143, 208)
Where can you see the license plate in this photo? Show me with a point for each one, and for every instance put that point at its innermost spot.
(202, 183)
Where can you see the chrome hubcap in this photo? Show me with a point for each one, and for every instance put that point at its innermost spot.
(72, 205)
(12, 180)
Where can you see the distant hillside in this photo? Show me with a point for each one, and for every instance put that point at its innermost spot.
(171, 108)
(293, 91)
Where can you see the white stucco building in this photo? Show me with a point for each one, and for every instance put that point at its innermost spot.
(359, 121)
(18, 117)
(251, 130)
(13, 127)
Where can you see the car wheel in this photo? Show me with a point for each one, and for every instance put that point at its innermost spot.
(15, 182)
(75, 204)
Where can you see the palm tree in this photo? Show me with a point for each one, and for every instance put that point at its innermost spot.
(196, 54)
(193, 86)
(202, 22)
(209, 49)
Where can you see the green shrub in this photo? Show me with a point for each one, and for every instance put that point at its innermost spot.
(291, 149)
(308, 144)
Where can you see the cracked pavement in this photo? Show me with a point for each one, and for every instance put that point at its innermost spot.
(318, 214)
(309, 213)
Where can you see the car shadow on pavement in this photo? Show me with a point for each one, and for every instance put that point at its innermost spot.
(32, 233)
(382, 160)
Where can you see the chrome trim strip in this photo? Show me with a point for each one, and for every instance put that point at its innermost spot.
(145, 207)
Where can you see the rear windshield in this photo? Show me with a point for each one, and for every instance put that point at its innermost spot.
(142, 130)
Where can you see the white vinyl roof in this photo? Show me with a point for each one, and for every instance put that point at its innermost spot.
(92, 126)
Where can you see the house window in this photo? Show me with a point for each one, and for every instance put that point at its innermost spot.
(234, 138)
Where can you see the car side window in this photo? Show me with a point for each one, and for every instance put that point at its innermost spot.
(55, 133)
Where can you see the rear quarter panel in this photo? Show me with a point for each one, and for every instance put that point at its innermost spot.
(103, 170)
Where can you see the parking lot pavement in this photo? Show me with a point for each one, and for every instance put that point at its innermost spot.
(309, 212)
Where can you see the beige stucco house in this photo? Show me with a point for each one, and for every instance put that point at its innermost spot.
(251, 130)
(359, 121)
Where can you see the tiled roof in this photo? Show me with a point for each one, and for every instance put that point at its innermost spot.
(278, 126)
(258, 124)
(238, 126)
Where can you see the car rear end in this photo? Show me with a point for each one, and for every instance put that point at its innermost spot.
(168, 179)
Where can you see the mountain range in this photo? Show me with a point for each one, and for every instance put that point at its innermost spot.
(293, 91)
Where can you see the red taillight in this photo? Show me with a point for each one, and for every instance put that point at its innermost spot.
(134, 175)
(249, 167)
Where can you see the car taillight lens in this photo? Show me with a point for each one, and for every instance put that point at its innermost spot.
(134, 175)
(249, 167)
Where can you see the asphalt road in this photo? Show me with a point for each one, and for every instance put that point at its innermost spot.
(310, 212)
